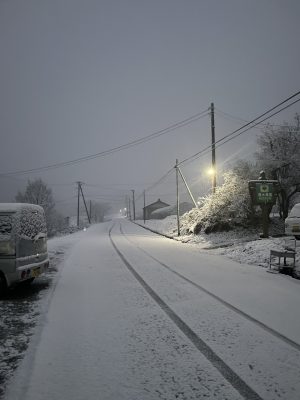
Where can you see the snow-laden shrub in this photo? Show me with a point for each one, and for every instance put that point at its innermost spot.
(223, 210)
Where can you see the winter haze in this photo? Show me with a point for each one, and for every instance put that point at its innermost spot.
(81, 77)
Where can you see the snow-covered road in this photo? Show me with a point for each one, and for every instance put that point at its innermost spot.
(137, 316)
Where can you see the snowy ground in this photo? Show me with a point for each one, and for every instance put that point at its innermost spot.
(98, 334)
(22, 306)
(242, 246)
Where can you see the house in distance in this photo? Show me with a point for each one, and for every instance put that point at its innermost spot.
(148, 210)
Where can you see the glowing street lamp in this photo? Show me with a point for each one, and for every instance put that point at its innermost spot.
(213, 173)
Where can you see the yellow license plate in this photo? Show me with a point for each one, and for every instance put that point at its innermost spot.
(296, 228)
(36, 272)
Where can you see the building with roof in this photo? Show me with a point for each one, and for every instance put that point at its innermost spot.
(148, 210)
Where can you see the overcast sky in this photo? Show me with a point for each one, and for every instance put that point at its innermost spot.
(78, 77)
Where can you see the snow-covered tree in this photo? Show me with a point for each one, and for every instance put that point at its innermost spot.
(228, 207)
(279, 156)
(37, 192)
(246, 170)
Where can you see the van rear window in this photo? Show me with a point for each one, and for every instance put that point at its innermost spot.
(5, 224)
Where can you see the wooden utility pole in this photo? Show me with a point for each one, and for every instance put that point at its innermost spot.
(177, 196)
(144, 209)
(87, 213)
(213, 148)
(133, 204)
(78, 197)
(129, 207)
(90, 210)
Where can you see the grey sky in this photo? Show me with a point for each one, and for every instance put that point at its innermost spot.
(81, 76)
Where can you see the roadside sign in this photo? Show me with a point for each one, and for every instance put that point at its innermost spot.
(263, 192)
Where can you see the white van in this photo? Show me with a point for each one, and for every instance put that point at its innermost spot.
(292, 222)
(23, 243)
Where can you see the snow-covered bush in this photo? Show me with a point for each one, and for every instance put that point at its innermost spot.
(223, 210)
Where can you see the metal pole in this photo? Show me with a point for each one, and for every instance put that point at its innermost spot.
(129, 208)
(78, 195)
(213, 148)
(87, 213)
(177, 196)
(133, 204)
(144, 210)
(188, 189)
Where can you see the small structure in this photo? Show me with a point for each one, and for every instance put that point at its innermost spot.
(288, 252)
(171, 210)
(148, 210)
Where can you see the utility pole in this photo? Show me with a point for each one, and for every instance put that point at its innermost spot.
(144, 209)
(213, 148)
(129, 208)
(177, 196)
(87, 213)
(133, 204)
(78, 197)
(90, 209)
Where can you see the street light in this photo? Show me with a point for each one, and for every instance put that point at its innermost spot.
(213, 173)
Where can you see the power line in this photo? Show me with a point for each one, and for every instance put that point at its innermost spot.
(237, 132)
(136, 142)
(232, 117)
(157, 182)
(272, 115)
(113, 184)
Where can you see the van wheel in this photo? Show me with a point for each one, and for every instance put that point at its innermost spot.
(3, 285)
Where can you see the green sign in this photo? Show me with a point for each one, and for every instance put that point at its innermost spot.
(264, 192)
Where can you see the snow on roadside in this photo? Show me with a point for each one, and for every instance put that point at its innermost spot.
(242, 245)
(21, 307)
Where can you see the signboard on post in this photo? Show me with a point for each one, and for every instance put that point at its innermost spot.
(263, 192)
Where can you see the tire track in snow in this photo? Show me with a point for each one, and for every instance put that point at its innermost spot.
(272, 331)
(235, 380)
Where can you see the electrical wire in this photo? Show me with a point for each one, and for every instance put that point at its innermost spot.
(133, 143)
(232, 117)
(237, 132)
(157, 182)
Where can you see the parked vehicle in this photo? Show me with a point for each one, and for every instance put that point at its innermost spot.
(23, 243)
(292, 222)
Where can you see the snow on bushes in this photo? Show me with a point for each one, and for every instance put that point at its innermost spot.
(223, 210)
